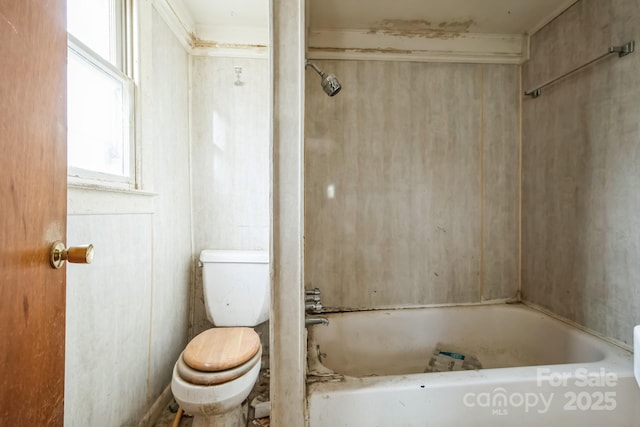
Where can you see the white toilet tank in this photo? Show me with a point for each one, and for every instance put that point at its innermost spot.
(236, 287)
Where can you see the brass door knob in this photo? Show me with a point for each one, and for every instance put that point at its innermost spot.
(75, 254)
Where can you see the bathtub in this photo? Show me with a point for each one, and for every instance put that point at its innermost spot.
(371, 368)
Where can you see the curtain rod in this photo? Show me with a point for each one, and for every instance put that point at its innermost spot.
(622, 50)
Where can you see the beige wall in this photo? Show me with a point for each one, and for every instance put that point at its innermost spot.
(172, 270)
(230, 158)
(581, 151)
(127, 315)
(411, 184)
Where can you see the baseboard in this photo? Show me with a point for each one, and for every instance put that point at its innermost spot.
(155, 411)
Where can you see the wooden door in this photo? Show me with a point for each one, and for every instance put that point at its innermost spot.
(33, 209)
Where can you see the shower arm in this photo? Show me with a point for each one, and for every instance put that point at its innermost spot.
(307, 63)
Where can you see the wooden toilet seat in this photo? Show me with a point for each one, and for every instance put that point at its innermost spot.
(214, 378)
(219, 355)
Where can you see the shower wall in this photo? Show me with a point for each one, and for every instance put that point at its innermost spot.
(581, 150)
(411, 184)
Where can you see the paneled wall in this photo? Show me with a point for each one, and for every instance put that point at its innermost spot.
(411, 184)
(172, 267)
(127, 315)
(230, 158)
(581, 150)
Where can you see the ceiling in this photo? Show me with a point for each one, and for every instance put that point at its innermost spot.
(235, 13)
(385, 25)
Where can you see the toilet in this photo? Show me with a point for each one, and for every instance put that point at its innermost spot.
(218, 368)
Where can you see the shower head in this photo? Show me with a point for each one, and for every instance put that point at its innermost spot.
(330, 83)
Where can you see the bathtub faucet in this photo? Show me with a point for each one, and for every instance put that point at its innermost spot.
(313, 306)
(308, 321)
(312, 303)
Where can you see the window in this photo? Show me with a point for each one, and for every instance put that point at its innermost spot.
(100, 91)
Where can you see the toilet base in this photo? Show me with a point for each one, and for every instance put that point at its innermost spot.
(236, 417)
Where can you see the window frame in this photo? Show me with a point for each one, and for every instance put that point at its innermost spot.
(123, 71)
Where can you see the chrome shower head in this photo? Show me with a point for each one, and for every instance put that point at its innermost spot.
(330, 83)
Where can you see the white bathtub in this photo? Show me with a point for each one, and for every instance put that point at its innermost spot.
(367, 369)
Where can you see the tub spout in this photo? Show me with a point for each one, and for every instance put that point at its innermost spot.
(308, 321)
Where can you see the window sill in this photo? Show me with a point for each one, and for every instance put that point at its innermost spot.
(93, 199)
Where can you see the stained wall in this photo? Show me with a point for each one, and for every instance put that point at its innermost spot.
(581, 228)
(411, 184)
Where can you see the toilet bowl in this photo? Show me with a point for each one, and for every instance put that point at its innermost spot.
(215, 374)
(219, 367)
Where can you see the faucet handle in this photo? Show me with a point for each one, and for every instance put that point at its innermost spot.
(314, 307)
(315, 291)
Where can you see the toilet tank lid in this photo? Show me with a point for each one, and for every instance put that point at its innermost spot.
(260, 257)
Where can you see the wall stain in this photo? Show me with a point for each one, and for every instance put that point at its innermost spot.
(372, 50)
(211, 43)
(422, 28)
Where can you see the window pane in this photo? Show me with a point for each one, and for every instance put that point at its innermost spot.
(93, 23)
(97, 119)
